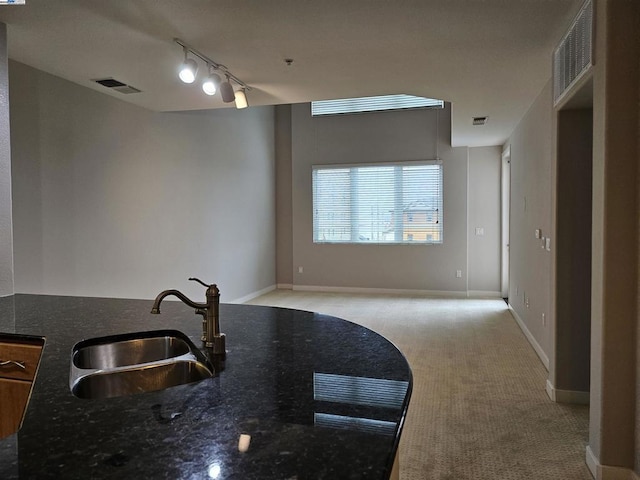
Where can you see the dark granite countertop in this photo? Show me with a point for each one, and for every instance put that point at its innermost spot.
(320, 398)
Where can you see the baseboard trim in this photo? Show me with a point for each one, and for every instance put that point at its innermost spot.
(534, 343)
(253, 295)
(575, 397)
(484, 294)
(606, 472)
(284, 286)
(391, 291)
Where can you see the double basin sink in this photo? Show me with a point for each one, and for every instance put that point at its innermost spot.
(135, 362)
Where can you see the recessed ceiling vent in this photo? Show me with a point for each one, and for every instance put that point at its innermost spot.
(572, 57)
(480, 120)
(116, 85)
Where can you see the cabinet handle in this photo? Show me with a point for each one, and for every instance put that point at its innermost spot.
(16, 363)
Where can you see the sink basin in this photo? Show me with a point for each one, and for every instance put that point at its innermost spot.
(135, 362)
(130, 349)
(127, 381)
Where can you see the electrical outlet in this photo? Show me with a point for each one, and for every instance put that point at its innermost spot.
(300, 270)
(458, 273)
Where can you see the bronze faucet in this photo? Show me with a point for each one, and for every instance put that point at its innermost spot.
(211, 335)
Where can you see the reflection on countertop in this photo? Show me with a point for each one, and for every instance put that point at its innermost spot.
(302, 395)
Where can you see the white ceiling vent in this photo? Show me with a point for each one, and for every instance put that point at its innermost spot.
(573, 56)
(480, 120)
(116, 85)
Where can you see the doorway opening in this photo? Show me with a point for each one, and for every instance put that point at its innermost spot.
(505, 211)
(573, 247)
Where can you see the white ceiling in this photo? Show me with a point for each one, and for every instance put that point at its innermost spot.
(486, 57)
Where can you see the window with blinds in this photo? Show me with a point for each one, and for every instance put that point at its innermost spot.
(372, 104)
(378, 203)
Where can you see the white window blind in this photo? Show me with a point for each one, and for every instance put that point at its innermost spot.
(378, 203)
(372, 104)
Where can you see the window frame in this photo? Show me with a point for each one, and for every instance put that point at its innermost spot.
(432, 237)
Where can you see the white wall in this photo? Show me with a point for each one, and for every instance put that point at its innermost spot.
(384, 137)
(6, 239)
(114, 200)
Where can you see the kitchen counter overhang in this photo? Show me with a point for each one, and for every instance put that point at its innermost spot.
(302, 396)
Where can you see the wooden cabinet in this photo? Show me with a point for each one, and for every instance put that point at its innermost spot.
(19, 360)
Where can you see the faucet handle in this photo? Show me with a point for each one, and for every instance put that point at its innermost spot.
(193, 279)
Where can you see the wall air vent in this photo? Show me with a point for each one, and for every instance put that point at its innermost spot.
(573, 56)
(116, 85)
(480, 120)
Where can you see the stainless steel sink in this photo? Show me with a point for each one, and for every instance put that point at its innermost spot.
(135, 362)
(130, 349)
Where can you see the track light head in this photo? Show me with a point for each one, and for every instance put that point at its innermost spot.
(241, 99)
(211, 84)
(226, 92)
(188, 70)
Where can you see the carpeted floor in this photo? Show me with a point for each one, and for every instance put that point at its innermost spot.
(479, 409)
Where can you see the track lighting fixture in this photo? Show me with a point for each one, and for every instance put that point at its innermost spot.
(188, 69)
(213, 82)
(226, 92)
(241, 99)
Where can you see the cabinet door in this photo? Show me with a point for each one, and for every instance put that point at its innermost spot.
(14, 395)
(28, 355)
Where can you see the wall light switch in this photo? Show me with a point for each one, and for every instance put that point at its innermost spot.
(538, 233)
(547, 243)
(480, 231)
(300, 269)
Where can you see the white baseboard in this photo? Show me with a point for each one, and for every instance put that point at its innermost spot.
(253, 295)
(484, 294)
(606, 472)
(534, 343)
(284, 286)
(567, 396)
(390, 291)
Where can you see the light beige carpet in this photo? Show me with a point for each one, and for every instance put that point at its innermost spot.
(479, 409)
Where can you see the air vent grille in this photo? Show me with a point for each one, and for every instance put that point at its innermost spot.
(573, 56)
(480, 120)
(116, 85)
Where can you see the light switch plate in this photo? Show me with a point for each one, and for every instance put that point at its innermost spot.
(547, 243)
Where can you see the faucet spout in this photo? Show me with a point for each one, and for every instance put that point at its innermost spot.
(156, 304)
(211, 335)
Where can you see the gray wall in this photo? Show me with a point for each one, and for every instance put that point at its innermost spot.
(615, 243)
(114, 200)
(530, 272)
(6, 238)
(484, 213)
(384, 137)
(284, 226)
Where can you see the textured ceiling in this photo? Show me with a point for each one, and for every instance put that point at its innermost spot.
(486, 57)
